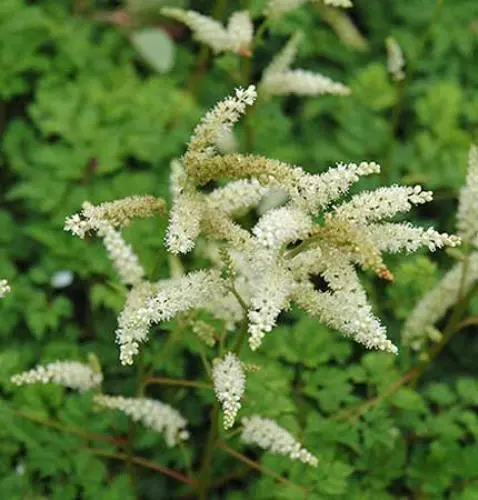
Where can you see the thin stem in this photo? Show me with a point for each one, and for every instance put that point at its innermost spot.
(204, 480)
(89, 436)
(143, 462)
(241, 301)
(241, 338)
(471, 321)
(177, 382)
(301, 247)
(254, 465)
(401, 93)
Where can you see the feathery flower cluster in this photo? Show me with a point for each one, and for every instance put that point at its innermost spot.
(275, 8)
(270, 436)
(118, 213)
(467, 217)
(229, 385)
(151, 303)
(153, 414)
(395, 60)
(121, 254)
(432, 307)
(72, 374)
(237, 37)
(4, 288)
(434, 304)
(279, 79)
(104, 219)
(271, 265)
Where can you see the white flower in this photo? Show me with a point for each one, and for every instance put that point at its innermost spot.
(344, 307)
(467, 217)
(301, 82)
(121, 254)
(152, 303)
(118, 213)
(4, 288)
(395, 61)
(434, 304)
(270, 436)
(236, 38)
(237, 197)
(394, 237)
(315, 192)
(278, 79)
(240, 30)
(72, 374)
(275, 8)
(382, 203)
(214, 124)
(153, 414)
(281, 226)
(229, 385)
(345, 4)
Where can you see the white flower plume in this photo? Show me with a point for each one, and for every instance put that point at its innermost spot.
(275, 262)
(275, 8)
(467, 218)
(270, 436)
(229, 385)
(237, 37)
(72, 374)
(150, 304)
(220, 119)
(105, 219)
(153, 414)
(434, 304)
(395, 60)
(279, 79)
(4, 288)
(121, 254)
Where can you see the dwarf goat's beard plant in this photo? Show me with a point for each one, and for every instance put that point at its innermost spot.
(253, 275)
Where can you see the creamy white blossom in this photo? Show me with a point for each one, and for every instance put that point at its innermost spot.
(4, 288)
(153, 414)
(272, 290)
(270, 436)
(121, 254)
(185, 214)
(236, 197)
(229, 384)
(434, 304)
(345, 4)
(279, 79)
(240, 30)
(214, 124)
(301, 82)
(237, 37)
(72, 374)
(152, 303)
(395, 60)
(395, 237)
(118, 213)
(467, 217)
(275, 263)
(314, 192)
(275, 8)
(382, 203)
